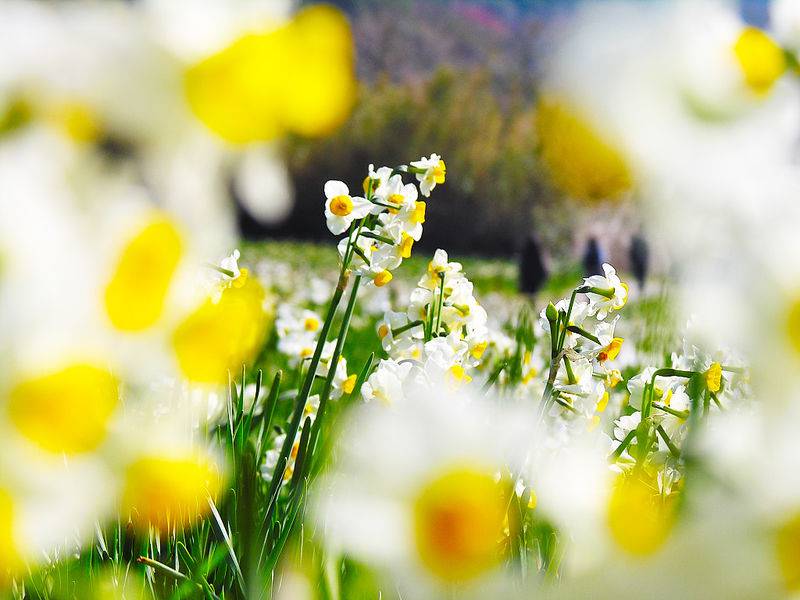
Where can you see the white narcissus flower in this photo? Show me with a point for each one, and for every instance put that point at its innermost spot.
(439, 265)
(378, 178)
(625, 424)
(395, 193)
(636, 386)
(341, 209)
(342, 382)
(433, 172)
(390, 323)
(600, 303)
(429, 465)
(386, 383)
(678, 400)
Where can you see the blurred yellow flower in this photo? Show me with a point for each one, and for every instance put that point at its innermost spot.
(137, 292)
(165, 491)
(580, 161)
(220, 336)
(458, 523)
(760, 59)
(65, 411)
(640, 519)
(298, 78)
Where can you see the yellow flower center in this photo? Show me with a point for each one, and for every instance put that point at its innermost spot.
(382, 278)
(342, 205)
(166, 492)
(602, 404)
(581, 162)
(457, 375)
(406, 243)
(639, 518)
(383, 330)
(311, 324)
(478, 349)
(787, 547)
(66, 411)
(136, 294)
(611, 351)
(296, 78)
(760, 59)
(396, 199)
(714, 377)
(439, 172)
(458, 523)
(221, 337)
(349, 384)
(613, 377)
(418, 214)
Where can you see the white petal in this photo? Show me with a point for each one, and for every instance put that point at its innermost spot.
(335, 188)
(337, 224)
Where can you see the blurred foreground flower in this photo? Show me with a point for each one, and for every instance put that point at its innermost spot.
(423, 490)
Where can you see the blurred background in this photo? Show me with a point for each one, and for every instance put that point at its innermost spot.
(460, 78)
(456, 77)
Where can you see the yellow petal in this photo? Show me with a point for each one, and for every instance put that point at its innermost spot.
(136, 295)
(169, 491)
(580, 160)
(66, 411)
(297, 78)
(639, 518)
(221, 336)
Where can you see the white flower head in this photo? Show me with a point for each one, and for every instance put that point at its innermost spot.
(614, 292)
(433, 171)
(386, 383)
(341, 209)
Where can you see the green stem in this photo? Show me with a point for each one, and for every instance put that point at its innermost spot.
(681, 414)
(441, 303)
(606, 292)
(673, 449)
(563, 334)
(570, 373)
(624, 444)
(337, 352)
(584, 333)
(407, 326)
(302, 397)
(380, 238)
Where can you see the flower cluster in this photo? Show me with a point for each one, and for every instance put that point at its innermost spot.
(441, 337)
(383, 225)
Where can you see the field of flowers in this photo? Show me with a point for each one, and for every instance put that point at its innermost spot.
(184, 414)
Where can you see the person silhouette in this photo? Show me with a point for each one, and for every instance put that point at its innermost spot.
(532, 271)
(593, 258)
(640, 259)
